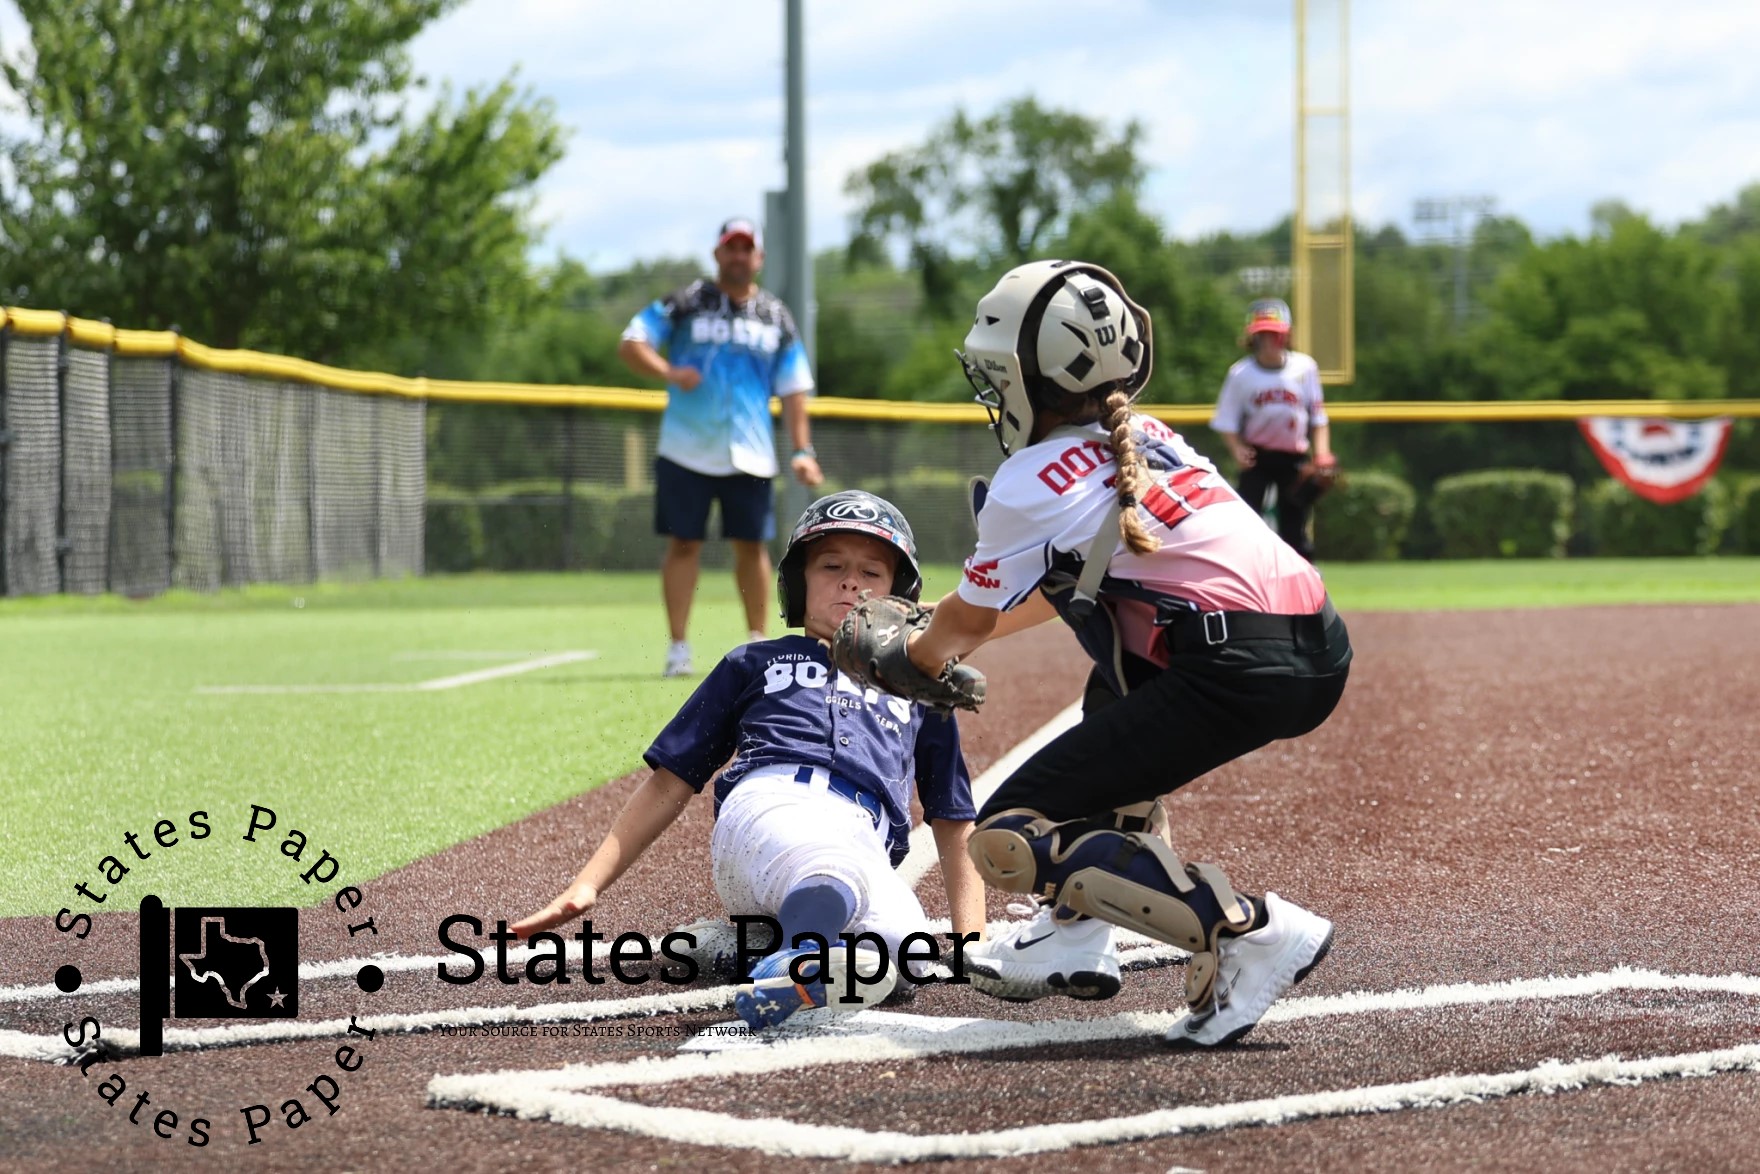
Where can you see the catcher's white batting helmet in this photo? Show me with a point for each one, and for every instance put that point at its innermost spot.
(1048, 331)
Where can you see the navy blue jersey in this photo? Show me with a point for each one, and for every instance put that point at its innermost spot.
(780, 702)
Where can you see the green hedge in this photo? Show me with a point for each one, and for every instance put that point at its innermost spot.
(1365, 516)
(518, 526)
(937, 504)
(1620, 523)
(1503, 513)
(1745, 516)
(453, 540)
(630, 543)
(522, 526)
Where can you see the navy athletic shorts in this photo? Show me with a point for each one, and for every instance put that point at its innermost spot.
(682, 497)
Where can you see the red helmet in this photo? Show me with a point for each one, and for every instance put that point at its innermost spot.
(1266, 316)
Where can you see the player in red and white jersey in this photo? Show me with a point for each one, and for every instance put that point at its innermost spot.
(1210, 637)
(1270, 401)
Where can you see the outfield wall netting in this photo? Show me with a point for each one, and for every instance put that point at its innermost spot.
(136, 461)
(137, 472)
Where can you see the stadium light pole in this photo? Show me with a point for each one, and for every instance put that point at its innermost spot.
(1453, 212)
(797, 274)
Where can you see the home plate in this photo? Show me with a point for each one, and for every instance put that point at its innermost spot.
(735, 1036)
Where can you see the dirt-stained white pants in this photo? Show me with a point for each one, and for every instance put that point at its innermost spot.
(774, 834)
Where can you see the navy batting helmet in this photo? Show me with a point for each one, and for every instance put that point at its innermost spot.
(852, 511)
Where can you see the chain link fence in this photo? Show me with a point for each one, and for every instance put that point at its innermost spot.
(134, 463)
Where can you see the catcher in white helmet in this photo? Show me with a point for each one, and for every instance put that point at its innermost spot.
(1210, 637)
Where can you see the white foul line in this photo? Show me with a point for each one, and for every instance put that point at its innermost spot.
(1137, 953)
(457, 681)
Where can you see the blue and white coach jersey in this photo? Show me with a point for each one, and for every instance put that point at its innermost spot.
(781, 702)
(747, 353)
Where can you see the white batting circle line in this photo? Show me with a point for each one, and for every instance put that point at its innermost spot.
(564, 1096)
(791, 1139)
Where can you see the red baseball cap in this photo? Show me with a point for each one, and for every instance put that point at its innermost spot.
(740, 226)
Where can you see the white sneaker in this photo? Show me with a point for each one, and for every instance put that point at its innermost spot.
(1043, 956)
(678, 659)
(1256, 969)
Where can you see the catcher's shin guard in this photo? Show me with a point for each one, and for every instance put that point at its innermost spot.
(1133, 879)
(1148, 816)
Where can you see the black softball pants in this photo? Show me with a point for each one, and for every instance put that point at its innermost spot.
(1204, 709)
(1282, 469)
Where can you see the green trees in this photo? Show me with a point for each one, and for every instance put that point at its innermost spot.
(253, 172)
(997, 189)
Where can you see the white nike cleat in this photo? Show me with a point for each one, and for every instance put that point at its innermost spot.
(1043, 956)
(678, 659)
(1256, 969)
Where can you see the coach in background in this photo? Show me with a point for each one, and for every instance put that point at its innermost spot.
(729, 347)
(1269, 403)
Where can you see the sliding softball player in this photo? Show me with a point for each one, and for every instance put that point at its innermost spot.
(813, 810)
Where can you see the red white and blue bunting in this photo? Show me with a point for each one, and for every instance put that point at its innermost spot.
(1663, 460)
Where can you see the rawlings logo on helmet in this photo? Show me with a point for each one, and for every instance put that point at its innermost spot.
(851, 511)
(854, 509)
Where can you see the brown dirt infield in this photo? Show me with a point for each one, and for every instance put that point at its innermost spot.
(1500, 796)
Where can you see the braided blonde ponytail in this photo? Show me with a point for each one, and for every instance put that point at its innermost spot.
(1133, 477)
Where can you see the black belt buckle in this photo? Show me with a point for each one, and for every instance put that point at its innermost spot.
(1215, 628)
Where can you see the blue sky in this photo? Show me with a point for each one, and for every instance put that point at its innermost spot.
(675, 109)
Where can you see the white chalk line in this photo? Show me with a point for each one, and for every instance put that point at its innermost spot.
(565, 1095)
(995, 1035)
(455, 681)
(1136, 953)
(121, 1041)
(535, 1100)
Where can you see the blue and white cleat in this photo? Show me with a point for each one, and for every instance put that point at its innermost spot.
(773, 995)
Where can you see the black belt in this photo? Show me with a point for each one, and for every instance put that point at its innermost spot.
(848, 791)
(1206, 631)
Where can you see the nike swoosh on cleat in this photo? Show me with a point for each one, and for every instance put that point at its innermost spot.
(1021, 945)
